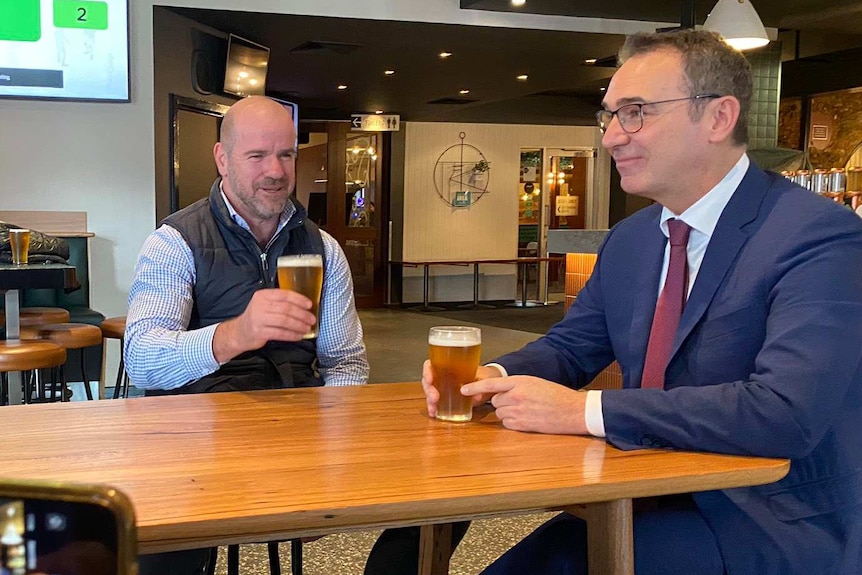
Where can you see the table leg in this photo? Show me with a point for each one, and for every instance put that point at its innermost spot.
(523, 301)
(426, 288)
(610, 543)
(475, 304)
(13, 332)
(435, 547)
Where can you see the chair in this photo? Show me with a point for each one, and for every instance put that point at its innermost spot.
(272, 552)
(69, 336)
(28, 356)
(115, 328)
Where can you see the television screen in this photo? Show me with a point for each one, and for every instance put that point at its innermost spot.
(64, 49)
(245, 71)
(293, 107)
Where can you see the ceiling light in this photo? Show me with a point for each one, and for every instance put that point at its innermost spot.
(342, 86)
(462, 92)
(518, 2)
(445, 54)
(389, 72)
(378, 111)
(522, 77)
(737, 21)
(602, 89)
(590, 61)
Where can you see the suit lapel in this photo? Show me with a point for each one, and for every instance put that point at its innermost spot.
(724, 245)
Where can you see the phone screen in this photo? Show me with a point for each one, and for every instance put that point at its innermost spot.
(54, 537)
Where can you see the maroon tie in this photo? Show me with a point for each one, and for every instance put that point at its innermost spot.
(668, 309)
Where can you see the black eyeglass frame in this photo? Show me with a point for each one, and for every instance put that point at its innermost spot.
(605, 117)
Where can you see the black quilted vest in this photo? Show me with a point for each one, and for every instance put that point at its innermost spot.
(230, 267)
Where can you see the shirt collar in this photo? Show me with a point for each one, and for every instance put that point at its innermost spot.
(703, 215)
(286, 214)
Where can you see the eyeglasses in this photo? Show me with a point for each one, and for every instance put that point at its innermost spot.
(631, 116)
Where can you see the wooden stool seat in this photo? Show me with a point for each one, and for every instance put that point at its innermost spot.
(29, 355)
(30, 316)
(114, 327)
(68, 335)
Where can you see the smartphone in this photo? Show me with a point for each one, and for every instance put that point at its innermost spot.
(49, 528)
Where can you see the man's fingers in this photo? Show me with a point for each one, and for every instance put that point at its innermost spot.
(491, 386)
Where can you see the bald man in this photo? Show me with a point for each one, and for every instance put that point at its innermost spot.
(205, 313)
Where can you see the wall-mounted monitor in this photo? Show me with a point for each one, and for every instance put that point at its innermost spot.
(64, 49)
(245, 71)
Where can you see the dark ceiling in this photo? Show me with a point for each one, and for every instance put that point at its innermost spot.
(310, 56)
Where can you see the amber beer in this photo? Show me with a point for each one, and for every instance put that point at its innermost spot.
(19, 243)
(454, 352)
(303, 274)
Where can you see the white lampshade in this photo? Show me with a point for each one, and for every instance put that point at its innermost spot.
(737, 21)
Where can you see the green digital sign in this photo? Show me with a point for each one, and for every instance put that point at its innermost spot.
(20, 20)
(81, 14)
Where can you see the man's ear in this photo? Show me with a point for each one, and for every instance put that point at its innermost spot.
(220, 155)
(723, 115)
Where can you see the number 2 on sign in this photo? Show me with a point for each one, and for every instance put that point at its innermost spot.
(82, 14)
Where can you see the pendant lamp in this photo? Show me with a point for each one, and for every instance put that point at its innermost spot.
(737, 21)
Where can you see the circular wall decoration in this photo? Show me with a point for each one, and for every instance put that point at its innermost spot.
(461, 174)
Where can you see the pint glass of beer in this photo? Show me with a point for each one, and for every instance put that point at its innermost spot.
(454, 352)
(19, 242)
(303, 274)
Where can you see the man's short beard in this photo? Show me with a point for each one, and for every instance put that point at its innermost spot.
(246, 197)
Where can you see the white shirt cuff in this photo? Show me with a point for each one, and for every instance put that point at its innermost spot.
(500, 367)
(593, 417)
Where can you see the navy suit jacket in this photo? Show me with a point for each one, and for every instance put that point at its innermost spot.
(767, 361)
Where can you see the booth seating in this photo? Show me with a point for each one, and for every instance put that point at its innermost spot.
(69, 336)
(27, 357)
(115, 328)
(579, 267)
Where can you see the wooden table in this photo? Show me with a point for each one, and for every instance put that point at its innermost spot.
(28, 276)
(215, 469)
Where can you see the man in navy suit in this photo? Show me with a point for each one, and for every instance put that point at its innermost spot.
(766, 359)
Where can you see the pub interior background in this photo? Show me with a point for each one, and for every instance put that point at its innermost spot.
(113, 160)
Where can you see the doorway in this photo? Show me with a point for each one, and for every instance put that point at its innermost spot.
(341, 177)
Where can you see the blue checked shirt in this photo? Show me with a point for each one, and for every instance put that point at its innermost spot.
(160, 353)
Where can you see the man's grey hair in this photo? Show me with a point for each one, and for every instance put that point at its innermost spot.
(710, 66)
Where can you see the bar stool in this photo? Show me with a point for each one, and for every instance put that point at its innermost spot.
(115, 328)
(70, 336)
(30, 316)
(27, 356)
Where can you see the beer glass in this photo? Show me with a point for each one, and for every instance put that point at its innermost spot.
(19, 242)
(454, 352)
(303, 274)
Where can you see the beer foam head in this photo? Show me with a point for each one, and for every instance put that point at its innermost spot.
(303, 261)
(455, 336)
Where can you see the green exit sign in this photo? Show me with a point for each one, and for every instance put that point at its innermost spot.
(83, 14)
(20, 20)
